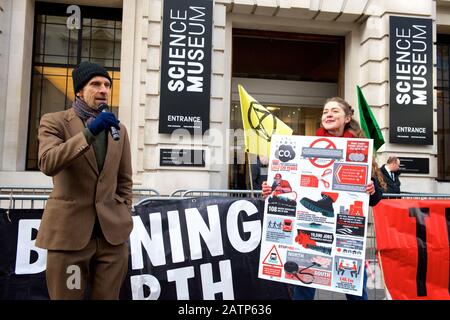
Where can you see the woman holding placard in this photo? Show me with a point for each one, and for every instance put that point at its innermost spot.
(337, 121)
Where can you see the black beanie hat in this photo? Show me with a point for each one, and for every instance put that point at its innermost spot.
(84, 72)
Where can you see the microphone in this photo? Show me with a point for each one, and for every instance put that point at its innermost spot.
(103, 107)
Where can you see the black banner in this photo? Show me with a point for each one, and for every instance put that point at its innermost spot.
(198, 249)
(186, 66)
(22, 264)
(411, 81)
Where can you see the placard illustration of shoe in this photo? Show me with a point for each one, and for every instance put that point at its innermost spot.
(324, 205)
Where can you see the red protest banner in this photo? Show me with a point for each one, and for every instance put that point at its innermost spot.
(413, 240)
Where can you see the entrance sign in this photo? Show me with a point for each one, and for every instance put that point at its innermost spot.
(411, 81)
(186, 66)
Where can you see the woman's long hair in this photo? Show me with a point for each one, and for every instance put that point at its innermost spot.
(353, 126)
(377, 174)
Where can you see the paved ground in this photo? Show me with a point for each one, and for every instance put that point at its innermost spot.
(374, 294)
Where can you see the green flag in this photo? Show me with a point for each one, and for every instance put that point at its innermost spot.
(368, 122)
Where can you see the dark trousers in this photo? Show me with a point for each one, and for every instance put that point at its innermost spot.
(100, 266)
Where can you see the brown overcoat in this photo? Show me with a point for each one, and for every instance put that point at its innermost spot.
(80, 191)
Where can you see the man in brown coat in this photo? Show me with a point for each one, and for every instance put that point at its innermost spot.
(87, 218)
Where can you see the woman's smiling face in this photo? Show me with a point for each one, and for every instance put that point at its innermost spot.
(334, 118)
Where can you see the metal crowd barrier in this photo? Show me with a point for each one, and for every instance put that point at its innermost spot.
(221, 193)
(156, 200)
(25, 190)
(416, 196)
(177, 193)
(186, 194)
(14, 197)
(143, 193)
(21, 201)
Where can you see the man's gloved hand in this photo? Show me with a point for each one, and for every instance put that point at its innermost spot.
(104, 121)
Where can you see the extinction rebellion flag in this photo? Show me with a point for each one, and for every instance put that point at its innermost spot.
(259, 125)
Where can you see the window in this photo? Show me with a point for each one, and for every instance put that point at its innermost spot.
(58, 49)
(287, 56)
(443, 107)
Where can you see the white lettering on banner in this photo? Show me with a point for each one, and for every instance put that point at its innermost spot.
(138, 284)
(196, 226)
(196, 84)
(177, 15)
(175, 236)
(197, 229)
(225, 286)
(154, 245)
(181, 276)
(194, 41)
(201, 13)
(410, 66)
(254, 227)
(25, 247)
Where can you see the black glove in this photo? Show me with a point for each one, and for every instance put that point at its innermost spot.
(104, 121)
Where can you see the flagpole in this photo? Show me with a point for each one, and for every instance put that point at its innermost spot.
(247, 158)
